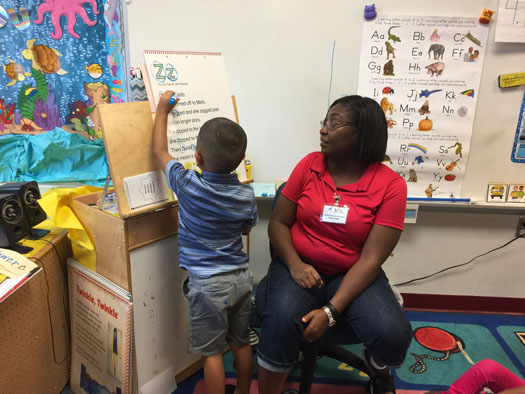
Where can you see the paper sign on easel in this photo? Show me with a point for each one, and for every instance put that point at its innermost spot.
(146, 189)
(200, 80)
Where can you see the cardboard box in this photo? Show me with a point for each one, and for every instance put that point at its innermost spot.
(115, 237)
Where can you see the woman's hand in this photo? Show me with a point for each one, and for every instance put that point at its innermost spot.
(317, 325)
(283, 218)
(305, 275)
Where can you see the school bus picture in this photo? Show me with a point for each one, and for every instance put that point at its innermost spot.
(497, 191)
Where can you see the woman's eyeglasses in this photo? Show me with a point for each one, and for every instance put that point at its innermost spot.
(332, 125)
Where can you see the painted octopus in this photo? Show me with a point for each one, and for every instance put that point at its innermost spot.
(69, 9)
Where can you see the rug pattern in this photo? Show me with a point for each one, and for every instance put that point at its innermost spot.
(444, 346)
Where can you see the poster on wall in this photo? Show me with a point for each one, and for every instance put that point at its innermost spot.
(201, 82)
(510, 23)
(425, 72)
(60, 59)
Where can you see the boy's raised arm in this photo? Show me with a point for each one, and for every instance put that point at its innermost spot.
(160, 129)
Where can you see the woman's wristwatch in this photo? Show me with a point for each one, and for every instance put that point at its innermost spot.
(332, 313)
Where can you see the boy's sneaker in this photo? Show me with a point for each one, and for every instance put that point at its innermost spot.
(381, 379)
(254, 338)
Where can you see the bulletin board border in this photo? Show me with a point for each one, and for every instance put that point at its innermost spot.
(518, 131)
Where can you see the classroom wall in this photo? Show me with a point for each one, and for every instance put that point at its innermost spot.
(443, 238)
(278, 59)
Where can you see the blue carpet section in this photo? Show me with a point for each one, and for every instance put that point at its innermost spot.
(441, 360)
(435, 344)
(188, 385)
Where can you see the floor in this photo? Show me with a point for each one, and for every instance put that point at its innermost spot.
(434, 359)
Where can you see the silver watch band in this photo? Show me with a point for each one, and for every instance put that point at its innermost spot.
(331, 320)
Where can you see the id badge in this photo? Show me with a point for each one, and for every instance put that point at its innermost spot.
(334, 214)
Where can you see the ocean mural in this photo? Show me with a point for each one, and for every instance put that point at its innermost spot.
(60, 60)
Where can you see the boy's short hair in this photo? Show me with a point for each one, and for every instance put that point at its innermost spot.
(222, 143)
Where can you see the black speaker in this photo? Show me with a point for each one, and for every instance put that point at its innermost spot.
(13, 225)
(29, 193)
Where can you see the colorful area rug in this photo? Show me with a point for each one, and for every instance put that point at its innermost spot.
(445, 345)
(317, 388)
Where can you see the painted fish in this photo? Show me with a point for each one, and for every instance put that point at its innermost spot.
(30, 92)
(113, 66)
(110, 15)
(114, 70)
(94, 70)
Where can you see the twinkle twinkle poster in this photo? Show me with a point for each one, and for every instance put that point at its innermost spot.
(101, 335)
(425, 73)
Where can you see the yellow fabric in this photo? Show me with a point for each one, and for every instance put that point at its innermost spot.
(55, 203)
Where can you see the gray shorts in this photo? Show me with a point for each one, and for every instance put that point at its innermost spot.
(220, 310)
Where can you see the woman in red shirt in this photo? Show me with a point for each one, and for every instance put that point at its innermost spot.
(337, 220)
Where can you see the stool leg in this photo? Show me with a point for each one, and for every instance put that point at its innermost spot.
(341, 354)
(310, 351)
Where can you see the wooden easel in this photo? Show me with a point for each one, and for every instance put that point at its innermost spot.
(127, 130)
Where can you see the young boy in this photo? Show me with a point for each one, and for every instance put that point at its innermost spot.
(214, 210)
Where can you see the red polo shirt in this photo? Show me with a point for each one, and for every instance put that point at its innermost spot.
(379, 197)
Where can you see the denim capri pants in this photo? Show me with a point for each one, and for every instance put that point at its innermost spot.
(375, 318)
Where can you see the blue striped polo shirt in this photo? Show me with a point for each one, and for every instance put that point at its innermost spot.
(213, 210)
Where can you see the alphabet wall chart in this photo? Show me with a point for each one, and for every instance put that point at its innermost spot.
(425, 73)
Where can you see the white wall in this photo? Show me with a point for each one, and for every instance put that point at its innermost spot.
(443, 238)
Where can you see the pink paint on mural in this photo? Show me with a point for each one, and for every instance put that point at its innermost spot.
(69, 9)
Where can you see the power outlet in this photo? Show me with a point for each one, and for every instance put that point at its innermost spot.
(520, 229)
